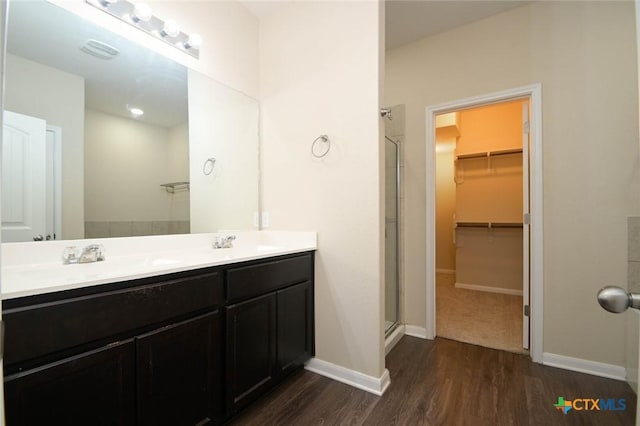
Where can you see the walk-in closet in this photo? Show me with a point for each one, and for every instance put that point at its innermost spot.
(481, 248)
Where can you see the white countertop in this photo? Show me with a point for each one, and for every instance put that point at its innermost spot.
(36, 267)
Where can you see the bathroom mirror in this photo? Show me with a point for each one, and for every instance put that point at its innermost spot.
(93, 167)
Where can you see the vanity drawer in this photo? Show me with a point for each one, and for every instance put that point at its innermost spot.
(41, 329)
(253, 280)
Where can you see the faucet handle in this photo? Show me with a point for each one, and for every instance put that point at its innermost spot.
(223, 241)
(98, 249)
(100, 252)
(70, 255)
(92, 253)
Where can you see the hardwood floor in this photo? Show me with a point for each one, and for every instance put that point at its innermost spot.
(444, 382)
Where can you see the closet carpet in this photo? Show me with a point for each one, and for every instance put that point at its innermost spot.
(491, 320)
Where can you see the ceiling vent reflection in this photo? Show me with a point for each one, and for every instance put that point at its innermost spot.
(99, 49)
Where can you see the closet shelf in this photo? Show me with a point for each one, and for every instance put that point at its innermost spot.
(172, 187)
(489, 225)
(486, 154)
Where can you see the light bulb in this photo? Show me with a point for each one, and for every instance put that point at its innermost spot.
(170, 29)
(141, 12)
(194, 42)
(135, 111)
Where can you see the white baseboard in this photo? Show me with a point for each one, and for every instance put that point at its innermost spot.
(446, 271)
(489, 289)
(374, 385)
(393, 338)
(415, 331)
(584, 366)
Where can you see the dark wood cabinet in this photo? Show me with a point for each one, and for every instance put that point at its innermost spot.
(189, 348)
(147, 352)
(93, 388)
(251, 349)
(295, 326)
(178, 373)
(270, 335)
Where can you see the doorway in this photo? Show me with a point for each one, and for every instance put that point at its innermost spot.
(479, 232)
(531, 222)
(31, 179)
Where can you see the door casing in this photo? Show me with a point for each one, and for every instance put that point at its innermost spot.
(534, 93)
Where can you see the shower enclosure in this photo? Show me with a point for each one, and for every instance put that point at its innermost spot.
(392, 184)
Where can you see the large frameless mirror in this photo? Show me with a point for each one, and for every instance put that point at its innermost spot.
(106, 138)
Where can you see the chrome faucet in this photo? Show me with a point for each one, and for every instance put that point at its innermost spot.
(91, 253)
(223, 242)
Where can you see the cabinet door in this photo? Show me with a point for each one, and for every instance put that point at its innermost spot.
(251, 349)
(179, 372)
(295, 326)
(93, 388)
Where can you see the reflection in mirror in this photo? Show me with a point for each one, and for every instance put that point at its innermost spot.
(93, 168)
(223, 127)
(82, 81)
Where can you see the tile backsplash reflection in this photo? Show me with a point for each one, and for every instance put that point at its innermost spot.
(108, 229)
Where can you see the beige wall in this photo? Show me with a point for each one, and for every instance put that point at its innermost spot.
(320, 74)
(126, 161)
(178, 170)
(584, 54)
(178, 153)
(490, 128)
(445, 201)
(489, 190)
(489, 258)
(57, 97)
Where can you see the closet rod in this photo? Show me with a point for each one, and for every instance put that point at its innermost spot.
(488, 225)
(489, 153)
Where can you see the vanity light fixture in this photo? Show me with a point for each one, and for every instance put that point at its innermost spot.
(170, 29)
(194, 42)
(141, 12)
(140, 15)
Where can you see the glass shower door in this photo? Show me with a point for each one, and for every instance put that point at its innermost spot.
(392, 182)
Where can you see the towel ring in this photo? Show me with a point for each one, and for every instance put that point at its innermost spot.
(207, 167)
(325, 139)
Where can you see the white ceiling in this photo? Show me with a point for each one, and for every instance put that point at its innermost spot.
(50, 35)
(411, 20)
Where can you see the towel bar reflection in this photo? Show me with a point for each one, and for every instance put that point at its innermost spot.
(207, 167)
(172, 187)
(324, 139)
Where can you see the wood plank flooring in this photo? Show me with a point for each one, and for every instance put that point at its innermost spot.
(444, 382)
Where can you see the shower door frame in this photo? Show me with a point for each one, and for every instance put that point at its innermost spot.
(395, 324)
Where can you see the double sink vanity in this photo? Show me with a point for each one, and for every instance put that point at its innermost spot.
(166, 330)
